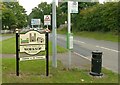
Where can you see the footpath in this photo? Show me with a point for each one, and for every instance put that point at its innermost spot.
(76, 61)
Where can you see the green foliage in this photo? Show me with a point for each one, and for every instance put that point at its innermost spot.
(46, 9)
(39, 12)
(8, 47)
(62, 11)
(100, 17)
(108, 36)
(13, 15)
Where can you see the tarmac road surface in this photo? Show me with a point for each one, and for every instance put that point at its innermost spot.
(84, 47)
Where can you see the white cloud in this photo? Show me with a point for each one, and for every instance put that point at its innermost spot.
(101, 1)
(30, 4)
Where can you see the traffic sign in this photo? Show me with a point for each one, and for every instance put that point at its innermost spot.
(35, 21)
(47, 20)
(73, 6)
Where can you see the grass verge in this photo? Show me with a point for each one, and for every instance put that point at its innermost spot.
(34, 72)
(95, 35)
(9, 47)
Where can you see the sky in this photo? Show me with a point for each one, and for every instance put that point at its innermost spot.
(30, 4)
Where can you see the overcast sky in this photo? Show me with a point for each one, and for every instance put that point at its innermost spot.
(30, 4)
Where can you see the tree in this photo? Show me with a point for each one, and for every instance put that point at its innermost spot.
(14, 16)
(100, 17)
(62, 11)
(39, 12)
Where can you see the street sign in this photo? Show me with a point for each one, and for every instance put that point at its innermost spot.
(73, 5)
(35, 21)
(32, 42)
(47, 20)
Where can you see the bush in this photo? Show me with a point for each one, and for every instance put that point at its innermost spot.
(100, 17)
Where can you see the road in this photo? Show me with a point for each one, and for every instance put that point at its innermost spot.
(84, 47)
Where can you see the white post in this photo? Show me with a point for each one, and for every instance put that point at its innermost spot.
(69, 31)
(47, 26)
(54, 40)
(69, 19)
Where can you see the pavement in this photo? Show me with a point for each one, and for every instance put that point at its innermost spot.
(85, 46)
(76, 60)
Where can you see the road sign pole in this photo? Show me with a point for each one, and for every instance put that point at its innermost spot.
(47, 54)
(69, 31)
(47, 26)
(54, 43)
(17, 53)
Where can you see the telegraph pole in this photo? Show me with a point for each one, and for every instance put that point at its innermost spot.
(54, 40)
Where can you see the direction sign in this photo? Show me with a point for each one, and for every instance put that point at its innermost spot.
(35, 21)
(47, 20)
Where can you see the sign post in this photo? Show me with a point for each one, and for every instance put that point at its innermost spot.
(54, 38)
(69, 31)
(17, 53)
(47, 54)
(72, 8)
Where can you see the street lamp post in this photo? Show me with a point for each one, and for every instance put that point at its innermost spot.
(54, 40)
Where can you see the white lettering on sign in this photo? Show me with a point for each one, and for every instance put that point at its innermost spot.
(32, 42)
(32, 58)
(47, 20)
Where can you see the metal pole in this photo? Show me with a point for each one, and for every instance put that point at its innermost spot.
(54, 43)
(47, 26)
(17, 54)
(47, 54)
(69, 31)
(69, 19)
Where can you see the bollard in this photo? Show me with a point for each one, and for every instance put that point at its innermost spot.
(96, 63)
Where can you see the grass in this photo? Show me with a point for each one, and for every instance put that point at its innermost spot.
(34, 72)
(108, 36)
(8, 47)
